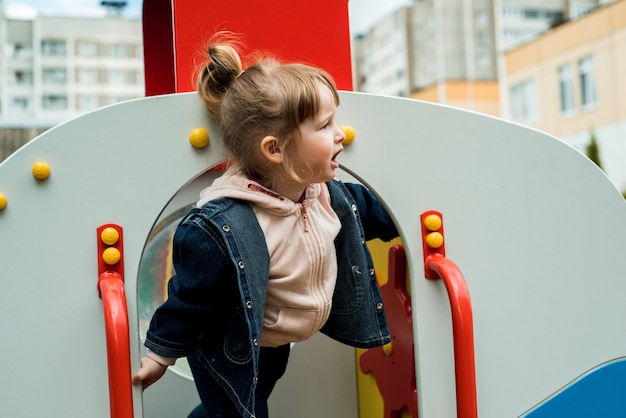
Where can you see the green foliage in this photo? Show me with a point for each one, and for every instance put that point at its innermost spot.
(592, 151)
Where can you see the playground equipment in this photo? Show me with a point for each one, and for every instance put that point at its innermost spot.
(535, 227)
(534, 232)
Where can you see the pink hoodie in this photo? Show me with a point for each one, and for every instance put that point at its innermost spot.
(303, 264)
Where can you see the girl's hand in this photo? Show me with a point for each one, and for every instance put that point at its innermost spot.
(150, 372)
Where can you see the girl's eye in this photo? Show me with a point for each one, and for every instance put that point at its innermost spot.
(326, 125)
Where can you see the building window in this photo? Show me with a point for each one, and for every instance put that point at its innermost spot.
(481, 39)
(87, 76)
(566, 89)
(54, 102)
(118, 51)
(586, 71)
(86, 103)
(54, 76)
(23, 77)
(480, 18)
(19, 105)
(524, 101)
(115, 99)
(53, 48)
(483, 61)
(22, 51)
(87, 49)
(117, 77)
(531, 14)
(512, 12)
(580, 10)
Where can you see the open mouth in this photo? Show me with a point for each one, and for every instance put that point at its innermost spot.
(334, 159)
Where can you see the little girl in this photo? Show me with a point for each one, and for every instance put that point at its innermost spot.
(275, 249)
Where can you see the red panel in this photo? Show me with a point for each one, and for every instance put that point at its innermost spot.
(158, 47)
(313, 32)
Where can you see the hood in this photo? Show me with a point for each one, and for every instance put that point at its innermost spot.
(234, 184)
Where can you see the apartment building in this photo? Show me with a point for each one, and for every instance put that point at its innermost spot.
(55, 68)
(382, 56)
(578, 8)
(454, 59)
(453, 48)
(571, 83)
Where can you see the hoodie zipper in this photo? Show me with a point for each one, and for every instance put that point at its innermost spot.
(305, 217)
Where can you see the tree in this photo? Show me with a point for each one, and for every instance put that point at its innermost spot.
(592, 151)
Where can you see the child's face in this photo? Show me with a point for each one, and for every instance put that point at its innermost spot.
(320, 142)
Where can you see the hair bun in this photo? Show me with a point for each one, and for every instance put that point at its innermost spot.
(223, 66)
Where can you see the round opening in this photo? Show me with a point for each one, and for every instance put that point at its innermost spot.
(155, 270)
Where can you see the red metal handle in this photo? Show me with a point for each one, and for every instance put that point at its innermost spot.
(462, 330)
(118, 344)
(111, 289)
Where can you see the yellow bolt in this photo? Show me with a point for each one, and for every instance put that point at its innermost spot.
(3, 201)
(388, 349)
(111, 256)
(199, 137)
(41, 170)
(434, 240)
(350, 134)
(109, 235)
(432, 222)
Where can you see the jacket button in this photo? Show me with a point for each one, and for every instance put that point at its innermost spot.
(372, 271)
(255, 342)
(241, 265)
(362, 240)
(249, 304)
(226, 228)
(379, 306)
(354, 208)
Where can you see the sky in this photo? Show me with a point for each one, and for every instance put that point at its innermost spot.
(363, 13)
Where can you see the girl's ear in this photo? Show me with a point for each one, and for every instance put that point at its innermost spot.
(271, 150)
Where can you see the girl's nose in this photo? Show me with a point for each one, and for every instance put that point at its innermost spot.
(341, 135)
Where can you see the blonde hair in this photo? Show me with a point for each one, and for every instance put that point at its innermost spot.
(267, 99)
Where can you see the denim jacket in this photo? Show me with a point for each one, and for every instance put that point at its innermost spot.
(223, 240)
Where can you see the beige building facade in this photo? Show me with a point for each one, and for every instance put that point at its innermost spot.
(571, 83)
(477, 96)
